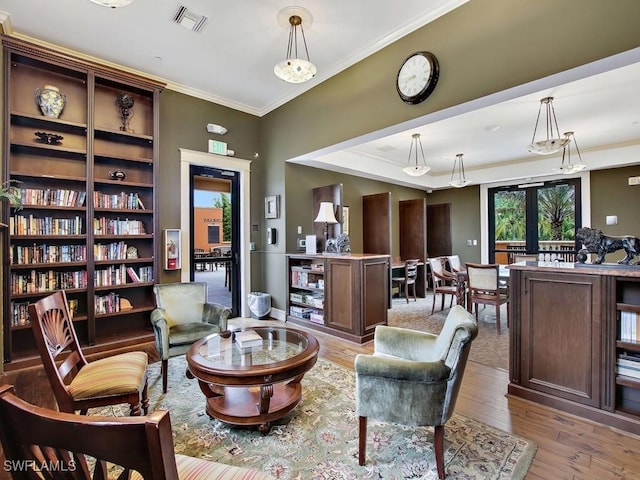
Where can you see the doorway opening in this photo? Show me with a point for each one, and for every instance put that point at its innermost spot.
(535, 221)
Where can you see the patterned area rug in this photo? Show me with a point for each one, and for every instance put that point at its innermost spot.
(319, 438)
(488, 348)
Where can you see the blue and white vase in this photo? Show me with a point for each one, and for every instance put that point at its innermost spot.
(50, 100)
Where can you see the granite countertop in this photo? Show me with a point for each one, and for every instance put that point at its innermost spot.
(588, 268)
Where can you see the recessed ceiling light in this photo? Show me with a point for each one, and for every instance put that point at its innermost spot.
(492, 128)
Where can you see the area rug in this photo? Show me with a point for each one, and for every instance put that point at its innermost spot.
(488, 348)
(319, 438)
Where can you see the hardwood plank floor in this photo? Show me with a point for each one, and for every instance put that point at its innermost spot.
(569, 448)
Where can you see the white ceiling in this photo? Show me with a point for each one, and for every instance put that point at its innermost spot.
(230, 62)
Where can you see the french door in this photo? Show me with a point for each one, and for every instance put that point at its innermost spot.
(534, 221)
(215, 233)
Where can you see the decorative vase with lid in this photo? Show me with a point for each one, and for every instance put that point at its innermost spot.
(50, 100)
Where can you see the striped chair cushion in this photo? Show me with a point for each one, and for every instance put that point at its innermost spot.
(115, 375)
(190, 468)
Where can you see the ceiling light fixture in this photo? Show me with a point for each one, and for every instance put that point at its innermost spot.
(567, 168)
(113, 3)
(458, 178)
(416, 170)
(294, 69)
(551, 144)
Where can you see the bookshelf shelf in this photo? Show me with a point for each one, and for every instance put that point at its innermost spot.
(66, 167)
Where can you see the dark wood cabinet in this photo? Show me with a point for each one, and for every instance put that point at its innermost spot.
(82, 228)
(567, 338)
(344, 295)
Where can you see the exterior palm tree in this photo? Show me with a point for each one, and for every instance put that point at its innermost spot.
(555, 213)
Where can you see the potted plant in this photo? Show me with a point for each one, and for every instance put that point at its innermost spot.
(12, 194)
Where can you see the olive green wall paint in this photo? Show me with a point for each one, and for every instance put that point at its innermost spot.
(183, 124)
(611, 194)
(302, 180)
(483, 47)
(465, 219)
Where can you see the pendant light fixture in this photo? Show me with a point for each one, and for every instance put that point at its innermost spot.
(567, 168)
(294, 69)
(458, 178)
(415, 169)
(551, 144)
(113, 3)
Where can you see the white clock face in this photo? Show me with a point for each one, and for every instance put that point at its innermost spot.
(414, 75)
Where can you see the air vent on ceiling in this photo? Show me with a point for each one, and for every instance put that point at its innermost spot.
(188, 19)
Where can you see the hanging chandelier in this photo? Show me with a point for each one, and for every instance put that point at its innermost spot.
(112, 3)
(458, 178)
(294, 69)
(566, 167)
(551, 144)
(415, 169)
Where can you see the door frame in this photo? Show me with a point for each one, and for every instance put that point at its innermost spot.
(243, 167)
(585, 186)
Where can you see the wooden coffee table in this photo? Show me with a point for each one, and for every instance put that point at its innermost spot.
(255, 385)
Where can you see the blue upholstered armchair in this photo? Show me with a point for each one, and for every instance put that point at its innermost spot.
(413, 378)
(183, 316)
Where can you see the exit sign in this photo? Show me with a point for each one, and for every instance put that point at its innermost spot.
(217, 147)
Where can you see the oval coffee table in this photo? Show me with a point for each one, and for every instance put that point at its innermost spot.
(254, 385)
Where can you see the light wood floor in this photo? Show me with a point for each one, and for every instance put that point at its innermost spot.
(568, 447)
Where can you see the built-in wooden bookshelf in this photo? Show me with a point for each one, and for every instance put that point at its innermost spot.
(88, 220)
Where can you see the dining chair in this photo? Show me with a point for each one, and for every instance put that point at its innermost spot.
(42, 443)
(413, 378)
(443, 282)
(454, 263)
(409, 279)
(483, 287)
(78, 384)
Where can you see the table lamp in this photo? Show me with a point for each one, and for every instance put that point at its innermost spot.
(326, 216)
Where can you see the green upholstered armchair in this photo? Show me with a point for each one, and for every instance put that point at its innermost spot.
(183, 316)
(413, 378)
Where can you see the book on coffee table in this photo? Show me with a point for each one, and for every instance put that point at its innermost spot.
(248, 338)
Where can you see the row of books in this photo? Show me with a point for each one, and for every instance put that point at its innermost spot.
(629, 326)
(45, 253)
(300, 278)
(118, 275)
(53, 197)
(116, 226)
(30, 225)
(47, 281)
(126, 200)
(111, 251)
(109, 303)
(628, 364)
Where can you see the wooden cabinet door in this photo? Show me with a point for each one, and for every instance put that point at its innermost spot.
(375, 287)
(342, 295)
(561, 335)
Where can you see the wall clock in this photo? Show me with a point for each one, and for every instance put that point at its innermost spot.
(417, 77)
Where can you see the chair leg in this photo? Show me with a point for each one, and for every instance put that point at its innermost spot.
(433, 306)
(145, 398)
(362, 439)
(438, 441)
(164, 367)
(498, 318)
(442, 302)
(406, 292)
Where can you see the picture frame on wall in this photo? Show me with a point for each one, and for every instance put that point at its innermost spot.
(272, 206)
(345, 219)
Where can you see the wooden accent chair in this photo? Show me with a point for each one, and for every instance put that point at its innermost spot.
(76, 383)
(42, 443)
(454, 263)
(183, 316)
(484, 287)
(444, 282)
(413, 377)
(408, 280)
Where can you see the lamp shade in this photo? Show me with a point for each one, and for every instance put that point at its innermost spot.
(326, 214)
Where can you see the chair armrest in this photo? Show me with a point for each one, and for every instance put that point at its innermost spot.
(413, 344)
(161, 332)
(216, 314)
(399, 369)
